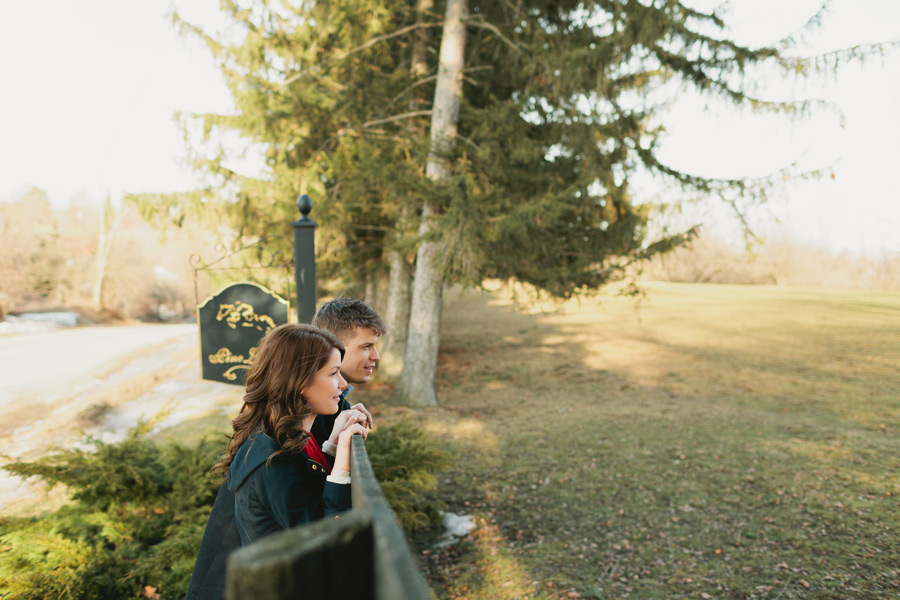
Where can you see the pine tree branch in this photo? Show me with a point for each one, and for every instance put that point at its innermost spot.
(370, 227)
(468, 141)
(411, 87)
(697, 75)
(369, 44)
(387, 36)
(742, 217)
(814, 22)
(481, 23)
(333, 84)
(425, 80)
(407, 115)
(834, 58)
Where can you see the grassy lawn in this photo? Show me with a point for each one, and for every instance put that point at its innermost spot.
(717, 442)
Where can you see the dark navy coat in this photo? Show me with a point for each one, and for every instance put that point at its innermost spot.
(289, 490)
(221, 536)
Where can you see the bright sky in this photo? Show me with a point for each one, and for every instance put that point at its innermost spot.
(90, 89)
(859, 209)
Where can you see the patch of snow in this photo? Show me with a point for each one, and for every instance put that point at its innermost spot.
(38, 322)
(170, 387)
(456, 527)
(167, 313)
(13, 487)
(63, 319)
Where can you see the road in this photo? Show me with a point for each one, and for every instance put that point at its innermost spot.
(54, 362)
(57, 386)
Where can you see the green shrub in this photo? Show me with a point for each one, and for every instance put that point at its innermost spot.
(138, 510)
(137, 514)
(406, 463)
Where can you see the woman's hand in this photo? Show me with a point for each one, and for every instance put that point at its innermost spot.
(347, 418)
(342, 456)
(352, 430)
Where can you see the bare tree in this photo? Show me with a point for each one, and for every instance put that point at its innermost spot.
(110, 219)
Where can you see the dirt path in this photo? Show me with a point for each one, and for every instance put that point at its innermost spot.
(57, 386)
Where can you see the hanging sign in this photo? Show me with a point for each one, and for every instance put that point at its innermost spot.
(232, 322)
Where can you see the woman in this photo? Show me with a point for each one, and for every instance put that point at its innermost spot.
(279, 475)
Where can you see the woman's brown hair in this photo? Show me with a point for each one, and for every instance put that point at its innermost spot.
(288, 359)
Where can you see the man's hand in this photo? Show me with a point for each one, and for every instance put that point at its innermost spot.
(370, 424)
(348, 418)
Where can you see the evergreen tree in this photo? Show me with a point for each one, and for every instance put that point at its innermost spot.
(326, 100)
(557, 111)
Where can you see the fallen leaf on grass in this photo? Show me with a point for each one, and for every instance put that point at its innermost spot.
(706, 596)
(150, 592)
(804, 583)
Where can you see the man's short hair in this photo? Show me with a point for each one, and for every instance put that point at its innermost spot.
(345, 314)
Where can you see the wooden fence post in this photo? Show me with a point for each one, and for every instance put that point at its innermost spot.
(331, 558)
(397, 575)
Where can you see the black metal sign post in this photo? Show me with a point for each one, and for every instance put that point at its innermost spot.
(232, 322)
(305, 260)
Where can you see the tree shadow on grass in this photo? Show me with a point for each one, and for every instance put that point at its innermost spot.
(673, 481)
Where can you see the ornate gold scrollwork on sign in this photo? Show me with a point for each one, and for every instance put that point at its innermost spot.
(243, 314)
(231, 374)
(232, 323)
(225, 357)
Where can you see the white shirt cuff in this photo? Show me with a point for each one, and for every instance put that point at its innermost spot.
(342, 477)
(329, 448)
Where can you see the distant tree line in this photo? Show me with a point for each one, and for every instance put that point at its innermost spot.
(780, 262)
(105, 260)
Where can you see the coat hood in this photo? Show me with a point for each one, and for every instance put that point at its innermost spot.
(252, 453)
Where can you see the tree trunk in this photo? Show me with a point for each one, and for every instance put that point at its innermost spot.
(105, 237)
(400, 278)
(370, 294)
(396, 314)
(99, 262)
(381, 291)
(416, 386)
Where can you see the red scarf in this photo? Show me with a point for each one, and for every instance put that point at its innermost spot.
(313, 451)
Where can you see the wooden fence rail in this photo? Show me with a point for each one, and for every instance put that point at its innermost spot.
(363, 555)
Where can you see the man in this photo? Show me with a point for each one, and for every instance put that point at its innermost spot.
(358, 327)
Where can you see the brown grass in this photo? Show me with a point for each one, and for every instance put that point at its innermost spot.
(732, 441)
